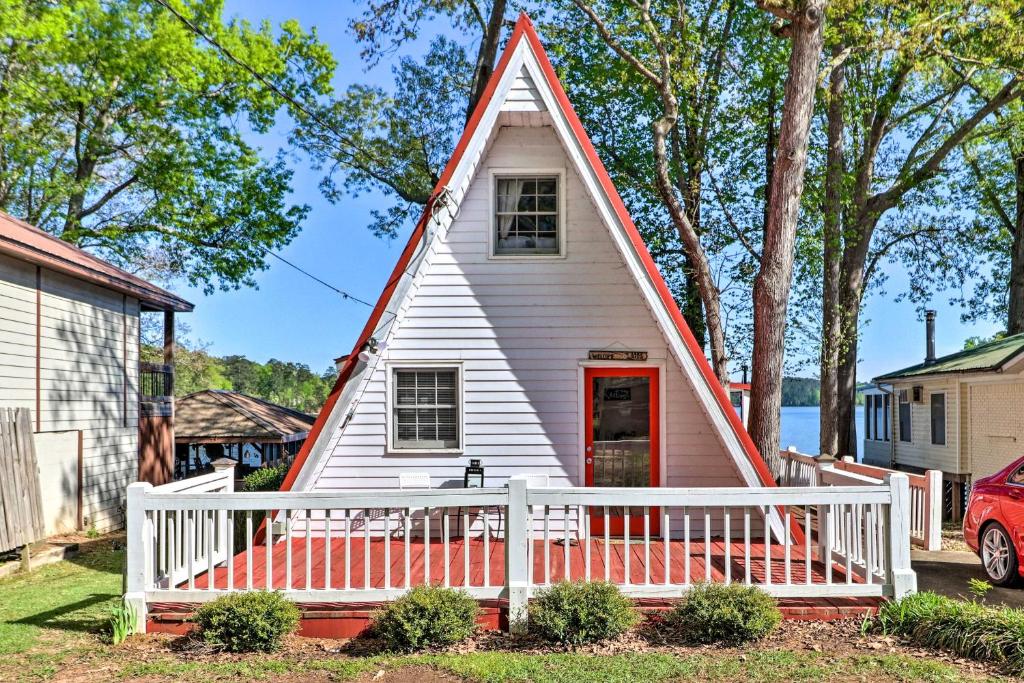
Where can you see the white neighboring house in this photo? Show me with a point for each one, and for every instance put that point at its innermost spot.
(962, 413)
(69, 351)
(527, 327)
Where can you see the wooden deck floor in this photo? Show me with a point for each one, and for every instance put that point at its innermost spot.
(391, 572)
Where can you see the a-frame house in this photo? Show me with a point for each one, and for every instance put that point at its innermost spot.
(527, 327)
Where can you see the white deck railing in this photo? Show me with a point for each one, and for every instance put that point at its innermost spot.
(799, 469)
(368, 546)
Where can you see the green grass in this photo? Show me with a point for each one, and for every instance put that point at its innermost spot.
(73, 597)
(496, 667)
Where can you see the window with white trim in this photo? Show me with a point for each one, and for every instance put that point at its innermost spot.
(526, 216)
(425, 408)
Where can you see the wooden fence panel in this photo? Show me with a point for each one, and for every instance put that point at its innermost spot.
(21, 506)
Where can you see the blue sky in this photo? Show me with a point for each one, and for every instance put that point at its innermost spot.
(292, 318)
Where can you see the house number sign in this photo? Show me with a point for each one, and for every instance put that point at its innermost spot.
(617, 355)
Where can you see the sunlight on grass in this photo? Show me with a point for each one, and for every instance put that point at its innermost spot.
(73, 596)
(497, 667)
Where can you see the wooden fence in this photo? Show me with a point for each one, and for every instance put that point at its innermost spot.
(21, 507)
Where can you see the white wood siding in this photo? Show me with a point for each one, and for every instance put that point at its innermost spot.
(524, 95)
(88, 351)
(996, 425)
(920, 452)
(521, 329)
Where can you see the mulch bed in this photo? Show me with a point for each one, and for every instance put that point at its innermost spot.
(838, 638)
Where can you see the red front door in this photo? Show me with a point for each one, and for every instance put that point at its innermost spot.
(622, 439)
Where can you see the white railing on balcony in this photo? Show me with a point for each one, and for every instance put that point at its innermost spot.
(506, 543)
(799, 469)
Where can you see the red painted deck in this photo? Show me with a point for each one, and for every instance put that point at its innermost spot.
(355, 569)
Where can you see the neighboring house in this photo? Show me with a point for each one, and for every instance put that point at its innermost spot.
(69, 352)
(527, 327)
(739, 396)
(212, 424)
(962, 413)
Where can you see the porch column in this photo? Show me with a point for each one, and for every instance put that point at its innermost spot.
(901, 576)
(517, 569)
(138, 554)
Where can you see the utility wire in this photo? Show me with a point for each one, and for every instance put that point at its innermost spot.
(342, 292)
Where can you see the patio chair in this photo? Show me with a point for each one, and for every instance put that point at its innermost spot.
(413, 481)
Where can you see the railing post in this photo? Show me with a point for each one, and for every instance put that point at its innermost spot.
(824, 531)
(139, 553)
(901, 576)
(226, 468)
(933, 510)
(517, 570)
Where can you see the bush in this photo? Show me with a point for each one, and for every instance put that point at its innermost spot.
(967, 629)
(265, 479)
(247, 622)
(426, 616)
(732, 615)
(579, 612)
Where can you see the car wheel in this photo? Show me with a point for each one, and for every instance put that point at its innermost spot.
(998, 557)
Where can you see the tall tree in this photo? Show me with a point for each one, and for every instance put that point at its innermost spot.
(803, 22)
(122, 130)
(654, 58)
(910, 104)
(994, 182)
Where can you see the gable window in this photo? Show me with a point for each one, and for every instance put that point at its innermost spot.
(527, 221)
(425, 408)
(938, 407)
(905, 416)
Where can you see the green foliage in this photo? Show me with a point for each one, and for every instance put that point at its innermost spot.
(965, 628)
(123, 131)
(123, 618)
(578, 612)
(265, 479)
(256, 621)
(426, 616)
(731, 615)
(979, 588)
(292, 385)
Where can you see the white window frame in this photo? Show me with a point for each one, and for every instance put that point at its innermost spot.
(492, 228)
(910, 414)
(389, 404)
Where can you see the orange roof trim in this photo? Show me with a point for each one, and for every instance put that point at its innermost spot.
(524, 30)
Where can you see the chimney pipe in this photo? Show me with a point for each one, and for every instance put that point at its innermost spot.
(929, 326)
(744, 367)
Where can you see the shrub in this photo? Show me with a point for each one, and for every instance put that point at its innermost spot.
(734, 614)
(123, 618)
(426, 616)
(579, 612)
(265, 479)
(247, 622)
(967, 629)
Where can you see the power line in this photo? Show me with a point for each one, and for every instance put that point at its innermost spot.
(342, 292)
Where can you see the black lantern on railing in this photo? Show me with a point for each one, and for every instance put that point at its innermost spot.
(474, 477)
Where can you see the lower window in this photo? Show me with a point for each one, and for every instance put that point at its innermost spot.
(425, 408)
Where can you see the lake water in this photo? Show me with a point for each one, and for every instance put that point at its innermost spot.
(800, 428)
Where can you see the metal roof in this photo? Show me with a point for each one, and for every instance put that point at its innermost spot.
(990, 357)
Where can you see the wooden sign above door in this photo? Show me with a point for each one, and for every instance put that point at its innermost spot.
(636, 356)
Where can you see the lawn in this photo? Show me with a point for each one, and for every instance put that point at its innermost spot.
(51, 625)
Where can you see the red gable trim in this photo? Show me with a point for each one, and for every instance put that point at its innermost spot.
(524, 28)
(522, 25)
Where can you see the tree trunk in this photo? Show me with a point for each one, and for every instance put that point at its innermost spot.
(851, 289)
(486, 55)
(831, 327)
(1015, 314)
(774, 280)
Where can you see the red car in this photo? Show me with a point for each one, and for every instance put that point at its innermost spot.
(994, 523)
